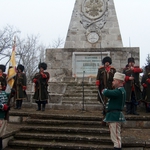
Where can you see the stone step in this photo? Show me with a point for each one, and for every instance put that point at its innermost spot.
(90, 95)
(34, 145)
(64, 137)
(81, 91)
(64, 122)
(80, 101)
(68, 130)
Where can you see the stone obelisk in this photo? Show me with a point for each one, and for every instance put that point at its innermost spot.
(93, 24)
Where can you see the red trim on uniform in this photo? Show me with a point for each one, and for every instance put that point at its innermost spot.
(97, 82)
(148, 80)
(137, 70)
(127, 78)
(144, 85)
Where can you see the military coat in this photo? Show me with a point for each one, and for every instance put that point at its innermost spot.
(20, 86)
(41, 84)
(104, 79)
(115, 104)
(132, 85)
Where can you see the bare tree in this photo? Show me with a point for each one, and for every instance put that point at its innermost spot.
(29, 55)
(57, 43)
(6, 39)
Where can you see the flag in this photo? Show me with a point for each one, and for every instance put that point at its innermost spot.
(12, 68)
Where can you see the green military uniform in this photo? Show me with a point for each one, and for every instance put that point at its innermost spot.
(114, 107)
(3, 109)
(115, 104)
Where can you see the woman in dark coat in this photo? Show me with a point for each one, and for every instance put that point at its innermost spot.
(41, 83)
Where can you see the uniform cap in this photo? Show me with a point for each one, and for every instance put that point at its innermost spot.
(119, 76)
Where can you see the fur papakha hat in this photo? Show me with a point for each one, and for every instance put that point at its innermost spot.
(3, 68)
(42, 65)
(131, 59)
(106, 59)
(21, 67)
(119, 76)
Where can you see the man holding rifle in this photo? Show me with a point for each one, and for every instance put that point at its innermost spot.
(104, 80)
(20, 86)
(132, 86)
(40, 80)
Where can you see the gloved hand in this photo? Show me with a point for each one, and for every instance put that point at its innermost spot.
(144, 85)
(24, 88)
(5, 107)
(148, 81)
(34, 80)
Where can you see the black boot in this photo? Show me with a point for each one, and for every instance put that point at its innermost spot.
(117, 148)
(20, 104)
(17, 104)
(128, 108)
(134, 110)
(1, 144)
(43, 107)
(39, 106)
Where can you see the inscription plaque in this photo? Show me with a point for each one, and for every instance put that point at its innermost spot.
(87, 62)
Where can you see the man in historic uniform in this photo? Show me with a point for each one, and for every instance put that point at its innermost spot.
(3, 108)
(41, 83)
(3, 76)
(114, 107)
(20, 86)
(104, 78)
(146, 87)
(132, 86)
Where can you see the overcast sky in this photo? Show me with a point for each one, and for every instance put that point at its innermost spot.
(50, 19)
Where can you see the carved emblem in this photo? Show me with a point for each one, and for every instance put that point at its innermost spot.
(93, 17)
(93, 9)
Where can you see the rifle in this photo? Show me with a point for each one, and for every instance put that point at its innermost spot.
(102, 101)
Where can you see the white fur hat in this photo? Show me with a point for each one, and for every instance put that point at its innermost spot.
(119, 76)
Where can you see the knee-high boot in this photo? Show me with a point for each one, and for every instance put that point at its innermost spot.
(20, 104)
(17, 104)
(39, 106)
(134, 110)
(43, 107)
(128, 108)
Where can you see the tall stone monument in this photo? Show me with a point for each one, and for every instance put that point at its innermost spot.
(93, 24)
(93, 33)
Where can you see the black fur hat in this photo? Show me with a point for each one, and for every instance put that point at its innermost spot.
(21, 67)
(131, 59)
(106, 59)
(3, 68)
(42, 65)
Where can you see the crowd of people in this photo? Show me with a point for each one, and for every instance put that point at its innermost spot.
(116, 90)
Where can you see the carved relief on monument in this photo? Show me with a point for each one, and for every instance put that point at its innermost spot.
(93, 17)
